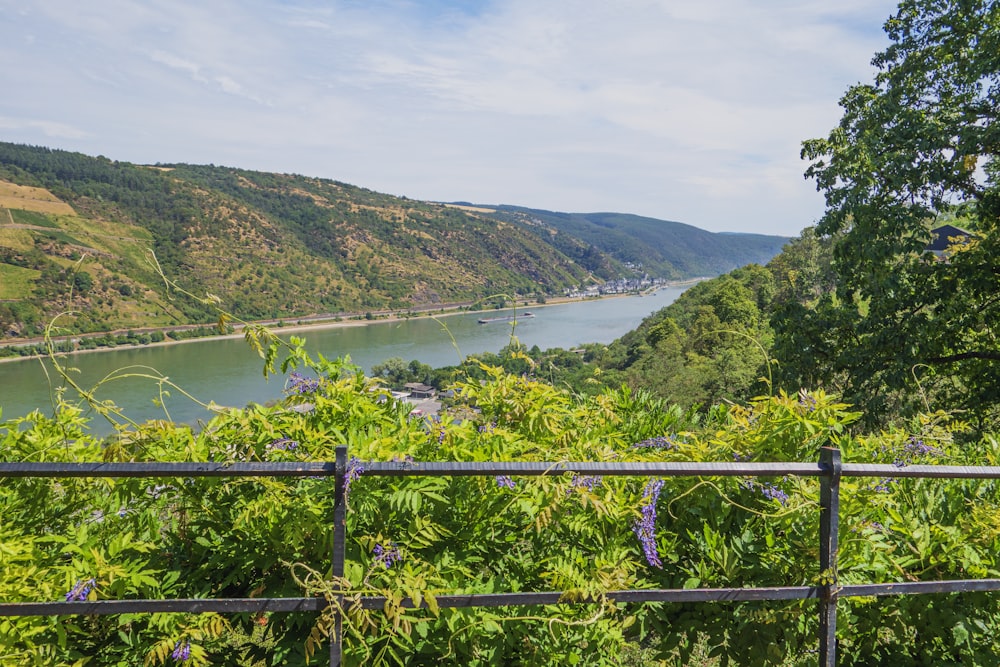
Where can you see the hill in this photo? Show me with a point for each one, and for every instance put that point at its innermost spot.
(80, 233)
(663, 248)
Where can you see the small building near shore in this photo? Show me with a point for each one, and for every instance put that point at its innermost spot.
(420, 390)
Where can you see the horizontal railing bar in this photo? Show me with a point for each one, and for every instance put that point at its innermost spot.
(403, 468)
(636, 468)
(929, 471)
(189, 605)
(469, 469)
(313, 604)
(265, 605)
(638, 595)
(168, 469)
(919, 587)
(705, 594)
(260, 605)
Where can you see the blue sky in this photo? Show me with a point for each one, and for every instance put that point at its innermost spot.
(683, 110)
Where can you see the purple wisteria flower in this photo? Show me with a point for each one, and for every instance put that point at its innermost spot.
(354, 470)
(769, 491)
(81, 590)
(916, 447)
(772, 492)
(284, 444)
(182, 651)
(884, 485)
(505, 481)
(387, 556)
(589, 482)
(300, 384)
(657, 442)
(645, 527)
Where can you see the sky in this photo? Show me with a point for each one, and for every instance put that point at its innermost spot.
(684, 110)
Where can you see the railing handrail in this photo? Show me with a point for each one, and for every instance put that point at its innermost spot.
(152, 469)
(828, 469)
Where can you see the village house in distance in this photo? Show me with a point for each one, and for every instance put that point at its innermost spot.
(946, 236)
(619, 286)
(421, 396)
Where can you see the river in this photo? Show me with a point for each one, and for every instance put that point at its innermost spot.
(227, 372)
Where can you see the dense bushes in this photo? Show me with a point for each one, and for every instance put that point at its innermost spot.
(424, 537)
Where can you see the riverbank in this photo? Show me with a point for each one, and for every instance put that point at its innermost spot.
(155, 382)
(313, 323)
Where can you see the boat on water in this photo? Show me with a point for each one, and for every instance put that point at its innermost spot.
(506, 318)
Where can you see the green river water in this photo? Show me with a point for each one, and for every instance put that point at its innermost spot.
(227, 372)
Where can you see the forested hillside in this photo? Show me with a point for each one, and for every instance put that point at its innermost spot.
(80, 234)
(761, 330)
(661, 247)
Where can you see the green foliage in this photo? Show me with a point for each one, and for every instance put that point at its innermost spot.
(416, 539)
(82, 281)
(573, 369)
(803, 270)
(710, 345)
(32, 218)
(916, 148)
(15, 281)
(396, 373)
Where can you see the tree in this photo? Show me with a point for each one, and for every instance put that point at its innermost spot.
(802, 272)
(396, 373)
(917, 147)
(83, 282)
(393, 371)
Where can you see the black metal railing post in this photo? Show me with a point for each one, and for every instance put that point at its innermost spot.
(339, 552)
(829, 519)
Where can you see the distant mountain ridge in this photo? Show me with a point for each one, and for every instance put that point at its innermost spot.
(78, 233)
(661, 247)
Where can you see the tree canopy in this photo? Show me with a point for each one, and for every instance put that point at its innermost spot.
(915, 149)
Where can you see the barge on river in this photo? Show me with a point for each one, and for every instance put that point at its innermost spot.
(505, 318)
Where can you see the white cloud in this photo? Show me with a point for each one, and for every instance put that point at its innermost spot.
(54, 130)
(176, 62)
(690, 111)
(199, 74)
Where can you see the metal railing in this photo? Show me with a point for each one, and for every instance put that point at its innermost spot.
(829, 469)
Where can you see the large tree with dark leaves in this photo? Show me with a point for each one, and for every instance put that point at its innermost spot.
(916, 148)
